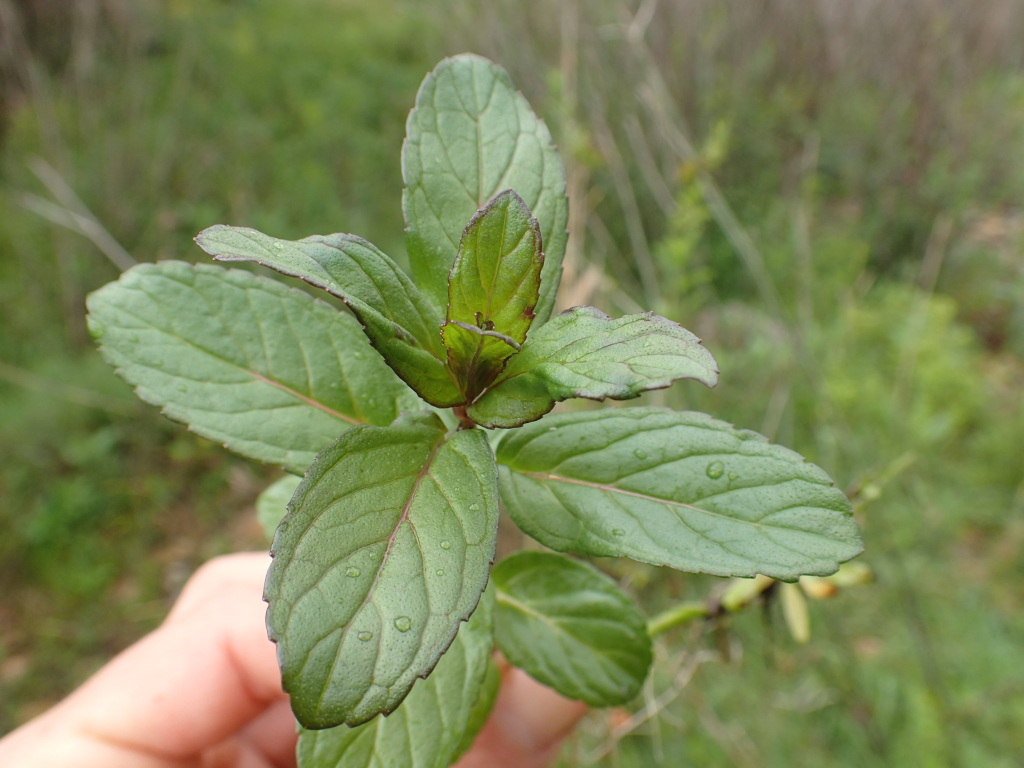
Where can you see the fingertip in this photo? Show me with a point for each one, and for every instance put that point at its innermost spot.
(244, 570)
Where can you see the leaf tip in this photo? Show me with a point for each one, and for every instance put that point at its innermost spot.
(203, 238)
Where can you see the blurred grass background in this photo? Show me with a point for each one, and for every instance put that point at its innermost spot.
(828, 193)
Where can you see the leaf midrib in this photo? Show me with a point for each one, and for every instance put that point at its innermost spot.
(544, 476)
(403, 518)
(406, 509)
(255, 374)
(504, 597)
(307, 400)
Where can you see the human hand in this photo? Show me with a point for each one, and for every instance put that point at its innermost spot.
(527, 725)
(203, 690)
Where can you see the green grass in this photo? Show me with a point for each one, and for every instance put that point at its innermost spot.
(854, 268)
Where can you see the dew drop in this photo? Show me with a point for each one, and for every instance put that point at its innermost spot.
(446, 544)
(733, 476)
(640, 454)
(352, 572)
(474, 507)
(618, 532)
(403, 623)
(440, 571)
(715, 470)
(365, 636)
(278, 244)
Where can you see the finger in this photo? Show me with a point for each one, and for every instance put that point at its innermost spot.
(235, 753)
(245, 570)
(199, 678)
(273, 734)
(526, 727)
(205, 673)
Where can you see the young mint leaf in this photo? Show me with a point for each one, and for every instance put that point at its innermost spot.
(492, 290)
(676, 489)
(267, 370)
(385, 550)
(584, 353)
(440, 714)
(400, 323)
(570, 627)
(470, 136)
(272, 503)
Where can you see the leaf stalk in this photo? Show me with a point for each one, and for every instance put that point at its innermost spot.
(465, 422)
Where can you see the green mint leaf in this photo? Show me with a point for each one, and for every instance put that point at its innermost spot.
(584, 353)
(272, 503)
(470, 136)
(385, 550)
(570, 626)
(400, 323)
(440, 714)
(676, 489)
(266, 369)
(482, 708)
(492, 290)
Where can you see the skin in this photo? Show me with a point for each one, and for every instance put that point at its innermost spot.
(203, 691)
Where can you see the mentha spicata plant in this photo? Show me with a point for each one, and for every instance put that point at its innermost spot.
(419, 413)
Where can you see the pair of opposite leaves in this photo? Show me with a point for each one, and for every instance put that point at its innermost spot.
(480, 357)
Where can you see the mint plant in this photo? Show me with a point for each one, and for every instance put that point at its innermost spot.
(419, 413)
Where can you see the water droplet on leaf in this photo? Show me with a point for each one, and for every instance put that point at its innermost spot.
(715, 470)
(440, 571)
(278, 244)
(352, 572)
(640, 454)
(618, 532)
(403, 623)
(474, 507)
(365, 636)
(446, 544)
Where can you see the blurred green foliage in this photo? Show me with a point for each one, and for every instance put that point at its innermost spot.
(163, 118)
(829, 205)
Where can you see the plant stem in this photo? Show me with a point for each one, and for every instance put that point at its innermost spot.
(739, 594)
(676, 616)
(464, 421)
